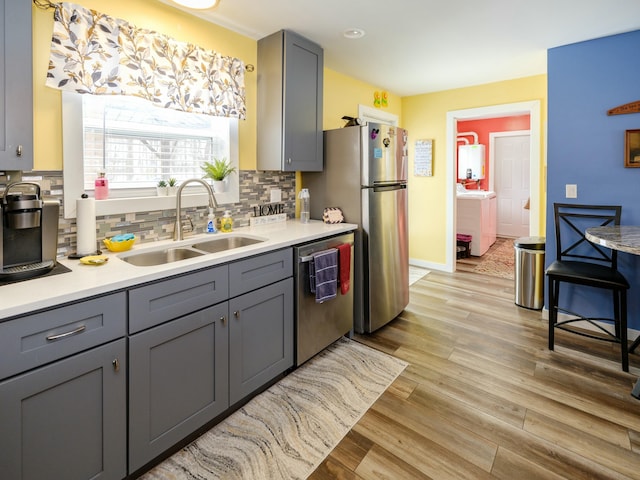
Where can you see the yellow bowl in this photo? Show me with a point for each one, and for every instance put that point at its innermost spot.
(119, 246)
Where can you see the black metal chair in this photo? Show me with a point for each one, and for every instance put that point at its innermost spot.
(580, 262)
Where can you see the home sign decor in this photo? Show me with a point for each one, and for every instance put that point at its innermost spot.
(267, 214)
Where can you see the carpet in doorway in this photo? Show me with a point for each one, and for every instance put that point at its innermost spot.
(499, 260)
(288, 430)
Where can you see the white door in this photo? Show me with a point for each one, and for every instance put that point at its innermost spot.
(511, 161)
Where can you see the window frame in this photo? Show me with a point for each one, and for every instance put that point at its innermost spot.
(142, 199)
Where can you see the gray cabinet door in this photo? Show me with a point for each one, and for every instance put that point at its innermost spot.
(260, 337)
(16, 111)
(68, 419)
(290, 88)
(178, 381)
(302, 104)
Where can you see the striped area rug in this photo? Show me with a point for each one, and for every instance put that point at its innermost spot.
(288, 430)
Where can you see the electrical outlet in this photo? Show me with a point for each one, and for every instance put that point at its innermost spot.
(571, 191)
(276, 195)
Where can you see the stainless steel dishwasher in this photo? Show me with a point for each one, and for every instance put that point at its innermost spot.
(318, 325)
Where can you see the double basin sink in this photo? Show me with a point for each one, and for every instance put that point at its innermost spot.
(175, 254)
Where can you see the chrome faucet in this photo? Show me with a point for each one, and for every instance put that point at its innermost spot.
(177, 231)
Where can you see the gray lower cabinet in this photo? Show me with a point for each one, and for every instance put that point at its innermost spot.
(178, 381)
(66, 420)
(260, 337)
(197, 344)
(63, 392)
(190, 358)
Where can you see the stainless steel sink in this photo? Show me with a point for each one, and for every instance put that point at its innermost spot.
(160, 257)
(175, 254)
(221, 244)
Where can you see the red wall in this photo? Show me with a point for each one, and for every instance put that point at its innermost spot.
(483, 128)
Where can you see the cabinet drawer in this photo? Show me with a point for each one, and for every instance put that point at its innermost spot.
(35, 340)
(159, 302)
(256, 272)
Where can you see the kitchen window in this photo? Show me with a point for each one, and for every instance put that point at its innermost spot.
(138, 144)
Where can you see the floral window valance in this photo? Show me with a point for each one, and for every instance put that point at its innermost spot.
(98, 54)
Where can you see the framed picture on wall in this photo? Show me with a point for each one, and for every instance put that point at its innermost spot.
(632, 148)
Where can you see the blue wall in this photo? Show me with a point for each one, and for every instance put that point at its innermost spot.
(586, 147)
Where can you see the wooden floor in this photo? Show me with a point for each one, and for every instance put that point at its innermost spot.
(483, 397)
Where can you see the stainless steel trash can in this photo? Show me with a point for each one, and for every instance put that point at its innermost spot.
(529, 274)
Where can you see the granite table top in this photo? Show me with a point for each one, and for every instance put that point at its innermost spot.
(624, 238)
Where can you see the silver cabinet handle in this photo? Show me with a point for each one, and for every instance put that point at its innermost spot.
(236, 314)
(53, 338)
(19, 151)
(223, 319)
(116, 365)
(289, 161)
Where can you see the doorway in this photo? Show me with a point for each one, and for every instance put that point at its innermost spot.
(531, 108)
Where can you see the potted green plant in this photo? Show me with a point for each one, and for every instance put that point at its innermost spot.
(218, 171)
(161, 188)
(172, 186)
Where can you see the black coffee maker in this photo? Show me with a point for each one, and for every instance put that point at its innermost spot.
(29, 240)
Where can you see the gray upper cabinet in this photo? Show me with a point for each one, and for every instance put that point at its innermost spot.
(16, 86)
(290, 83)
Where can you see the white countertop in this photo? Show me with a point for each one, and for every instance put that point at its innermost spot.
(475, 194)
(88, 280)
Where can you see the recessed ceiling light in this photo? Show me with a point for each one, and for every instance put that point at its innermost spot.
(353, 33)
(197, 4)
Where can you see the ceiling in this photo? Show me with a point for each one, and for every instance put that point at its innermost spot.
(420, 46)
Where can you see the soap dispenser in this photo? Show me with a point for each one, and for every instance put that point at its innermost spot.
(226, 222)
(211, 222)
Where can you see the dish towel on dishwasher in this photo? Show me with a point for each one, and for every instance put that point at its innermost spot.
(323, 274)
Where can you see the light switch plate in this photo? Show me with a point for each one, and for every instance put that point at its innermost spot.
(276, 195)
(571, 191)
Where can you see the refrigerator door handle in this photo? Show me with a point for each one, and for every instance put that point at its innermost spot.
(387, 187)
(384, 183)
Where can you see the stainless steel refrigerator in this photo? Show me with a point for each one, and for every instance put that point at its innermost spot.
(365, 175)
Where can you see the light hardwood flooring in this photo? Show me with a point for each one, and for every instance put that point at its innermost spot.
(483, 397)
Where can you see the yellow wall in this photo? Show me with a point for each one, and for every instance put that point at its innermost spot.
(145, 14)
(424, 116)
(343, 94)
